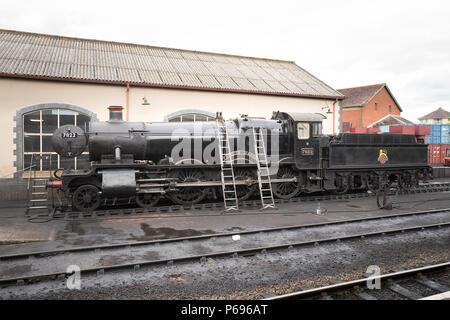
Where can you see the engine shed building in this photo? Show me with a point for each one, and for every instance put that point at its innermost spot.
(47, 81)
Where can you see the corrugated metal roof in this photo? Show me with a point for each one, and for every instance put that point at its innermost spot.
(45, 56)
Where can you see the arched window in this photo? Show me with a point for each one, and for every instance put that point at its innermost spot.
(34, 148)
(190, 115)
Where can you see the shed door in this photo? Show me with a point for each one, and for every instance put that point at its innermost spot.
(306, 146)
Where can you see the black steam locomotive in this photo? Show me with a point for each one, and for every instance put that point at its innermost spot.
(143, 162)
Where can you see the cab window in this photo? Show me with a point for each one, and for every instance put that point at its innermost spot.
(303, 130)
(317, 129)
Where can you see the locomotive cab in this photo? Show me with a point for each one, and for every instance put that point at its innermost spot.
(306, 132)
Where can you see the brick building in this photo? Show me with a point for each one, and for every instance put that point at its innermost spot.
(365, 105)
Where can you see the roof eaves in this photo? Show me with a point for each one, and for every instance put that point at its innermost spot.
(167, 86)
(393, 98)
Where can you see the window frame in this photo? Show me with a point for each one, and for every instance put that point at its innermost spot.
(41, 153)
(193, 115)
(316, 129)
(18, 129)
(308, 131)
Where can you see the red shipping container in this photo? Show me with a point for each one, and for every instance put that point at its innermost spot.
(434, 153)
(423, 130)
(373, 130)
(444, 148)
(359, 130)
(430, 146)
(403, 129)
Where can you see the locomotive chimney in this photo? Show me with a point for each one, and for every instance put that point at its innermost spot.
(115, 113)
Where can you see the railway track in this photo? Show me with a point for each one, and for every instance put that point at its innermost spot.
(126, 210)
(247, 250)
(412, 284)
(38, 254)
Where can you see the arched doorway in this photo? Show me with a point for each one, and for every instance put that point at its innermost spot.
(35, 127)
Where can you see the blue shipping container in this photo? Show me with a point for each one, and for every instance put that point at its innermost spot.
(436, 129)
(445, 129)
(445, 139)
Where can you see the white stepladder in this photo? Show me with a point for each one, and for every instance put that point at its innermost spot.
(37, 190)
(230, 199)
(265, 185)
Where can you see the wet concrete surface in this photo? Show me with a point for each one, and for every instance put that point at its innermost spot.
(255, 276)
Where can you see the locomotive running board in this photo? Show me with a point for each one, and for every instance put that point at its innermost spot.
(217, 183)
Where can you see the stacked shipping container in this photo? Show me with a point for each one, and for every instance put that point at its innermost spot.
(437, 136)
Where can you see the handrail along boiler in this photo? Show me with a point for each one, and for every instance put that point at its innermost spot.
(132, 160)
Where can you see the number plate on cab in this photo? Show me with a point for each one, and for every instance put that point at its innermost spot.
(307, 151)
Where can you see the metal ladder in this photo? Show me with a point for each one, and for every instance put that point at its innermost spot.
(38, 198)
(230, 200)
(265, 185)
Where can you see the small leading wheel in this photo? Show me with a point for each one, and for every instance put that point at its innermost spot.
(147, 200)
(86, 198)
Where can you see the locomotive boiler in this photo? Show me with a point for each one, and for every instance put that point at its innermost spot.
(146, 161)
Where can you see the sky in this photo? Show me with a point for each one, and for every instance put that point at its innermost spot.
(346, 43)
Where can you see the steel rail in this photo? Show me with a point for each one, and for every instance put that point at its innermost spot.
(353, 283)
(203, 257)
(38, 254)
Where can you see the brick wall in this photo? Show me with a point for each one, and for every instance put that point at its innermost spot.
(369, 115)
(383, 99)
(353, 116)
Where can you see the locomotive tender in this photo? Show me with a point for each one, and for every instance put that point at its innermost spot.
(143, 162)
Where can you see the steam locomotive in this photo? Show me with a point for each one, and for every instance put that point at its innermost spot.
(143, 162)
